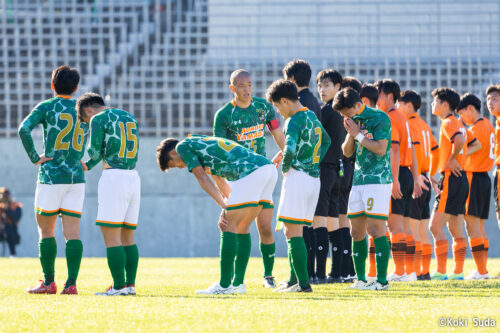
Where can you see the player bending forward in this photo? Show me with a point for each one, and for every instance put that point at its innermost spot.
(370, 139)
(114, 138)
(253, 179)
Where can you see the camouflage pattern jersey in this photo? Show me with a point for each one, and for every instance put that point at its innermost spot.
(114, 137)
(306, 143)
(371, 168)
(219, 157)
(245, 126)
(63, 140)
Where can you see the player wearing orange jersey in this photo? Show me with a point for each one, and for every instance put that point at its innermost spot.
(406, 181)
(477, 166)
(425, 144)
(493, 103)
(453, 186)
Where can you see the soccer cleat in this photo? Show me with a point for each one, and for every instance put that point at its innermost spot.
(375, 285)
(348, 278)
(131, 289)
(425, 277)
(70, 290)
(43, 289)
(283, 285)
(296, 288)
(393, 277)
(474, 275)
(269, 282)
(216, 289)
(412, 277)
(359, 285)
(439, 276)
(313, 280)
(322, 280)
(331, 279)
(456, 276)
(114, 292)
(371, 278)
(239, 289)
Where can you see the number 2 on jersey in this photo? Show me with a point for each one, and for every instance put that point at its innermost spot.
(128, 137)
(316, 157)
(78, 134)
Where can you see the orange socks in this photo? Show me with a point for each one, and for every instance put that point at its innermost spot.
(417, 264)
(477, 249)
(459, 248)
(399, 252)
(410, 254)
(426, 258)
(486, 247)
(441, 250)
(372, 272)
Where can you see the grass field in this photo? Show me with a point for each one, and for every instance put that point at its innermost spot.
(166, 301)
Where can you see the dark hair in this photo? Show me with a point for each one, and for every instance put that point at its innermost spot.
(447, 95)
(87, 100)
(329, 74)
(162, 156)
(351, 82)
(298, 70)
(493, 88)
(388, 86)
(411, 96)
(369, 91)
(345, 99)
(65, 80)
(469, 99)
(282, 89)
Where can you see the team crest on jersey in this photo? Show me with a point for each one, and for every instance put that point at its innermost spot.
(262, 114)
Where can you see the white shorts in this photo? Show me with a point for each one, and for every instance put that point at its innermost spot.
(372, 200)
(299, 197)
(119, 199)
(254, 189)
(65, 199)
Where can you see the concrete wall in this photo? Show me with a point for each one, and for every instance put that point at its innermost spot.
(177, 218)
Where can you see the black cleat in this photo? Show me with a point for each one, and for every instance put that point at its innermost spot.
(348, 279)
(425, 277)
(313, 280)
(331, 279)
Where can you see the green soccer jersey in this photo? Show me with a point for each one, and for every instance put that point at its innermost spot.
(218, 156)
(245, 126)
(114, 138)
(306, 142)
(63, 140)
(371, 168)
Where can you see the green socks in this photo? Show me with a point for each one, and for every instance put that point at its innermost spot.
(116, 263)
(293, 276)
(297, 248)
(382, 250)
(48, 253)
(268, 253)
(228, 246)
(74, 252)
(242, 256)
(359, 254)
(131, 263)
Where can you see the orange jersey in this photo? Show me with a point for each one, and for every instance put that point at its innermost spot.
(482, 160)
(497, 142)
(423, 141)
(400, 133)
(450, 128)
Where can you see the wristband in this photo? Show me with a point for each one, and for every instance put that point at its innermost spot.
(359, 137)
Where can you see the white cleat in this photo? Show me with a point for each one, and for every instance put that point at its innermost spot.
(131, 290)
(216, 289)
(282, 286)
(114, 292)
(474, 275)
(375, 285)
(371, 278)
(411, 277)
(239, 289)
(359, 285)
(393, 277)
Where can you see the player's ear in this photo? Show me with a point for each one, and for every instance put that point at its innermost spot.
(231, 87)
(52, 86)
(76, 88)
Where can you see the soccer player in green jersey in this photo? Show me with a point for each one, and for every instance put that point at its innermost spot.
(306, 142)
(253, 179)
(61, 183)
(114, 139)
(369, 138)
(243, 120)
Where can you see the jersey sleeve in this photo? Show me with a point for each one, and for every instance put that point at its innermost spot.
(271, 121)
(187, 154)
(383, 129)
(471, 137)
(291, 140)
(35, 117)
(96, 140)
(395, 131)
(434, 143)
(220, 125)
(450, 130)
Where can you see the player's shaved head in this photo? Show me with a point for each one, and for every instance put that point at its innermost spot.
(239, 73)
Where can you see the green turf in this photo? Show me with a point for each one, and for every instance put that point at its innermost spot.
(166, 301)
